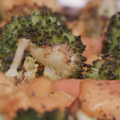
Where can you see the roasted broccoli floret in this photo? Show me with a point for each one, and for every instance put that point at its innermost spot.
(95, 13)
(108, 68)
(31, 114)
(42, 37)
(90, 15)
(22, 10)
(111, 43)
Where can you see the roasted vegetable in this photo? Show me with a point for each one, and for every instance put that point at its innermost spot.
(111, 42)
(31, 114)
(99, 100)
(43, 37)
(105, 69)
(93, 18)
(22, 10)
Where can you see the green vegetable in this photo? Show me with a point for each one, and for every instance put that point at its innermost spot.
(111, 43)
(23, 10)
(43, 32)
(108, 68)
(31, 114)
(82, 116)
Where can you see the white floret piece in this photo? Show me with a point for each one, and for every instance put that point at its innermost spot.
(50, 72)
(30, 67)
(3, 116)
(55, 59)
(82, 116)
(28, 72)
(107, 8)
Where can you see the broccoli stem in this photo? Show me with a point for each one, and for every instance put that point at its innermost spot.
(22, 44)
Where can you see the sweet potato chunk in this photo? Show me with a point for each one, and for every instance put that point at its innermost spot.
(99, 100)
(70, 86)
(93, 46)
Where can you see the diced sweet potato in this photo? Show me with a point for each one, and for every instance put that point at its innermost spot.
(93, 46)
(38, 87)
(70, 86)
(99, 100)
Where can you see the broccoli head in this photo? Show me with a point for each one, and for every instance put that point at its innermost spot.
(108, 68)
(111, 42)
(90, 15)
(31, 114)
(22, 10)
(43, 37)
